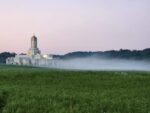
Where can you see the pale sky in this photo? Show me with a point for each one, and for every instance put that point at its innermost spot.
(74, 25)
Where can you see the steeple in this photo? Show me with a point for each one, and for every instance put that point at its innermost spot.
(34, 42)
(34, 47)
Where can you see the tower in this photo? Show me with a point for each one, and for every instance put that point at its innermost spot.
(34, 42)
(34, 47)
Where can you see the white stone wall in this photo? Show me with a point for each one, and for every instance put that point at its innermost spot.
(37, 60)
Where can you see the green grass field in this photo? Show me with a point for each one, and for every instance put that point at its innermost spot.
(38, 90)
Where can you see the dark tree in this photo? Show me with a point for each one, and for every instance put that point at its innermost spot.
(5, 55)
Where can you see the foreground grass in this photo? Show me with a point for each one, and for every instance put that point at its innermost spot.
(35, 90)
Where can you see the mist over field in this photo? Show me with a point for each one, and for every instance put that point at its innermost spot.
(102, 64)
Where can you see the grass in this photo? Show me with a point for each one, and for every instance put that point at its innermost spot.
(38, 90)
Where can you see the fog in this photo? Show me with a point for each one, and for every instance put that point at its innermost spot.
(101, 64)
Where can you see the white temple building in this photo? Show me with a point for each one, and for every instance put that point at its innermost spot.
(33, 57)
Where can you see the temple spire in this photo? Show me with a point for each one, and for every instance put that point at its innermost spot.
(34, 47)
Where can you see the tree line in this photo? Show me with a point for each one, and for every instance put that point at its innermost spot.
(5, 55)
(112, 54)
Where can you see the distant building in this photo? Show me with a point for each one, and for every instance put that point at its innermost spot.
(33, 57)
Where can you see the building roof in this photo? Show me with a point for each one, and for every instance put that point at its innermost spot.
(34, 37)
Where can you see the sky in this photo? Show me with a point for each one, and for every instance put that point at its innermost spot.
(64, 26)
